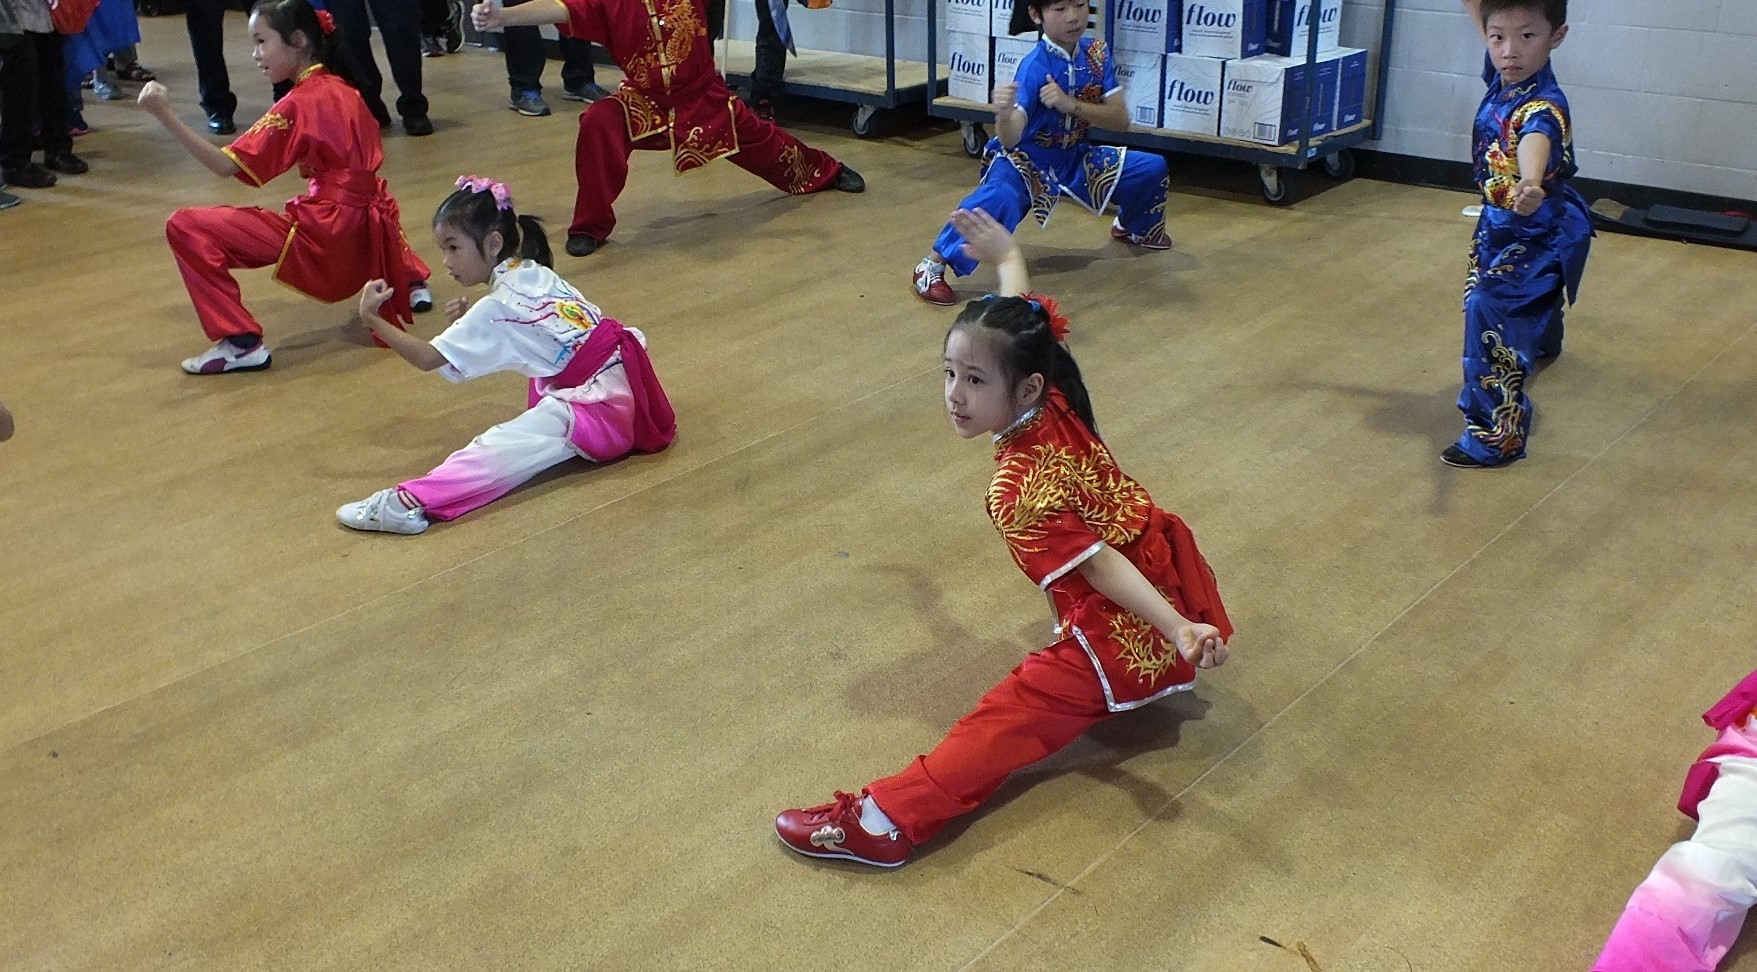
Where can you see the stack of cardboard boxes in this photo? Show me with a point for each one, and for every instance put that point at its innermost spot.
(1229, 68)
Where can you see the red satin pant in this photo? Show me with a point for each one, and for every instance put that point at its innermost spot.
(1050, 700)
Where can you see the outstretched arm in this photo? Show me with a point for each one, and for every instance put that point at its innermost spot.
(156, 99)
(1534, 160)
(1111, 574)
(1473, 8)
(987, 241)
(414, 350)
(493, 16)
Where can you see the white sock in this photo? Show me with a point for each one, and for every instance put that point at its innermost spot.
(873, 820)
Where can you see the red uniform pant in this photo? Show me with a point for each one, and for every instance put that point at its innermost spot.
(209, 242)
(602, 151)
(1050, 700)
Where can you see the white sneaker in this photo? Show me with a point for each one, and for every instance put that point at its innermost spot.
(224, 357)
(385, 512)
(420, 298)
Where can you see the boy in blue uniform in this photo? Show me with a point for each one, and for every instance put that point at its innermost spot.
(1534, 233)
(1039, 151)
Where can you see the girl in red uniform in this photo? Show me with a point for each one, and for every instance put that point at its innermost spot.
(341, 232)
(1136, 606)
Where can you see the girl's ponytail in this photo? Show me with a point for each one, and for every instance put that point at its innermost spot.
(533, 242)
(289, 17)
(1066, 377)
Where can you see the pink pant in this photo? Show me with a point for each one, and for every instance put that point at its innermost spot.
(502, 458)
(1687, 913)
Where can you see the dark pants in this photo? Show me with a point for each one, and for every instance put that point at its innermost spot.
(33, 95)
(771, 55)
(525, 57)
(206, 22)
(399, 25)
(435, 17)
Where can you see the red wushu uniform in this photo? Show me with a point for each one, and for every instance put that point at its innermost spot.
(343, 231)
(672, 99)
(1057, 498)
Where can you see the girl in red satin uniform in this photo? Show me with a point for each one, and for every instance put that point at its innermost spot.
(1137, 609)
(344, 230)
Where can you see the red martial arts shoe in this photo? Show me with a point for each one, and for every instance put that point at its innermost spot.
(833, 830)
(930, 284)
(1157, 241)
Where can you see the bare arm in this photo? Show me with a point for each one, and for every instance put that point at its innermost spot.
(413, 350)
(157, 101)
(1534, 161)
(987, 241)
(1111, 574)
(1473, 9)
(1009, 118)
(1112, 115)
(493, 16)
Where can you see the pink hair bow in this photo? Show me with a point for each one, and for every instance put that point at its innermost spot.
(476, 183)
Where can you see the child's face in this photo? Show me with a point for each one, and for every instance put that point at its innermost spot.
(278, 59)
(467, 263)
(977, 396)
(1063, 21)
(1520, 42)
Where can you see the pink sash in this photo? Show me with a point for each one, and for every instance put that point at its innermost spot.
(597, 432)
(1723, 716)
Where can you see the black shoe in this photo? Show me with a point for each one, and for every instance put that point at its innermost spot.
(431, 46)
(30, 176)
(582, 245)
(764, 108)
(221, 125)
(65, 161)
(1459, 459)
(7, 199)
(847, 180)
(418, 125)
(452, 39)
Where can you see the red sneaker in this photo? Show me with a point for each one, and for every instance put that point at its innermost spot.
(930, 283)
(833, 830)
(1154, 241)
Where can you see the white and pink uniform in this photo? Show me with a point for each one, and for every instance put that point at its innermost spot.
(593, 392)
(1687, 913)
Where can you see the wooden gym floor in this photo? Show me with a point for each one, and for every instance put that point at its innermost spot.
(553, 734)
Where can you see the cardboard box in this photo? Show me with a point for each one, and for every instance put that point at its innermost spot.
(1324, 81)
(967, 62)
(1008, 52)
(1143, 26)
(1290, 24)
(1224, 28)
(1351, 86)
(1262, 99)
(967, 16)
(1191, 99)
(1141, 76)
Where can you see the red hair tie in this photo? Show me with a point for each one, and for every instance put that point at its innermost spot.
(1058, 324)
(326, 21)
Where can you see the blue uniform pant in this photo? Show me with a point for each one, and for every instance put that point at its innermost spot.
(1008, 193)
(1522, 274)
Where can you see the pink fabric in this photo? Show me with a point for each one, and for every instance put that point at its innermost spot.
(604, 434)
(1723, 715)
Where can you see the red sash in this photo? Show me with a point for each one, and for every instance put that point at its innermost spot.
(655, 425)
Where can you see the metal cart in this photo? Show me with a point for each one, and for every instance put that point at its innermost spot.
(1331, 149)
(868, 82)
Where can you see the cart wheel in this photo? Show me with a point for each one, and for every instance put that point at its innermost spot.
(975, 138)
(1339, 165)
(864, 118)
(1277, 190)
